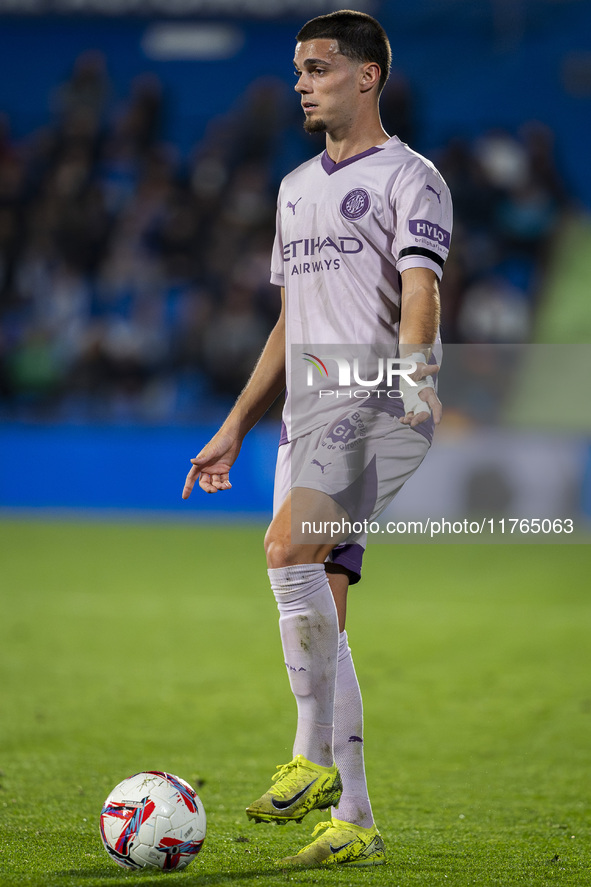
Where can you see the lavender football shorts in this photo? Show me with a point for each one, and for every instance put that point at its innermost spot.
(361, 460)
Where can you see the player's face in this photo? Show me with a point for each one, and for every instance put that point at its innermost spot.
(328, 84)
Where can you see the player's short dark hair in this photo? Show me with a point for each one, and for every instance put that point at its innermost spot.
(360, 37)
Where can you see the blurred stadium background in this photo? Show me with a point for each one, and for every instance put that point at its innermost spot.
(142, 143)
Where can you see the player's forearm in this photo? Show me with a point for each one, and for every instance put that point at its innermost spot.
(420, 312)
(265, 384)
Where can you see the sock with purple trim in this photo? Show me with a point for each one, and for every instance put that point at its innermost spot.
(310, 636)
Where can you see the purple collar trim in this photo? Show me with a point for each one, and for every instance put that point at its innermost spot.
(329, 165)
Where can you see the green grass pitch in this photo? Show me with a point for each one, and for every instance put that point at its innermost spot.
(129, 647)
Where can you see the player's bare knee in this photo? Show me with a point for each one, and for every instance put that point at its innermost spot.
(279, 550)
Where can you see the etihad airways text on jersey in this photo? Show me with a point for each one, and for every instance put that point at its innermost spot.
(313, 246)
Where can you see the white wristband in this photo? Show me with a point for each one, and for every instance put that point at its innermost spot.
(410, 393)
(417, 356)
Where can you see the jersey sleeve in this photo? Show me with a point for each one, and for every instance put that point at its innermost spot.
(277, 261)
(423, 219)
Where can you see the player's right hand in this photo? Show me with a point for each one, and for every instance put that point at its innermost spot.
(211, 467)
(420, 400)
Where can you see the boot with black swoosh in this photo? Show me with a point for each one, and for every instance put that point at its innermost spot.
(343, 843)
(299, 787)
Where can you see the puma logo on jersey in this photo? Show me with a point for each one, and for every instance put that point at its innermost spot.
(429, 188)
(292, 206)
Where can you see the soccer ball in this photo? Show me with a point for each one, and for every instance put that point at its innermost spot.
(153, 820)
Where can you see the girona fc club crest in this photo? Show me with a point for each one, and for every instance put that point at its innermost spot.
(355, 204)
(346, 433)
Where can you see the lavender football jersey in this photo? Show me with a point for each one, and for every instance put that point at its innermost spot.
(345, 231)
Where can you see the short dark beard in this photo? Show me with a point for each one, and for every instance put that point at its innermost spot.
(317, 125)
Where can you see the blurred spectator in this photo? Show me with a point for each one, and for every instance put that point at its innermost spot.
(397, 108)
(508, 203)
(87, 92)
(134, 284)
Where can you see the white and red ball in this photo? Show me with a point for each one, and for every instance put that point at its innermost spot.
(153, 820)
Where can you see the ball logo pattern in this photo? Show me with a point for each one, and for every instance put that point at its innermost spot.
(153, 820)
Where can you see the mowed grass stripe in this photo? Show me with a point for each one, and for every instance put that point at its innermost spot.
(129, 647)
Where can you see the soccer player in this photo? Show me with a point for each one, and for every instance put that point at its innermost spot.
(363, 231)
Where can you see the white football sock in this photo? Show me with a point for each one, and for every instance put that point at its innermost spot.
(354, 805)
(310, 636)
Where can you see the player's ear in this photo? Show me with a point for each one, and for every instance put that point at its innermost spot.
(370, 76)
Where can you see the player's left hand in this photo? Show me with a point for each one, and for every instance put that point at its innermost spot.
(211, 467)
(421, 401)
